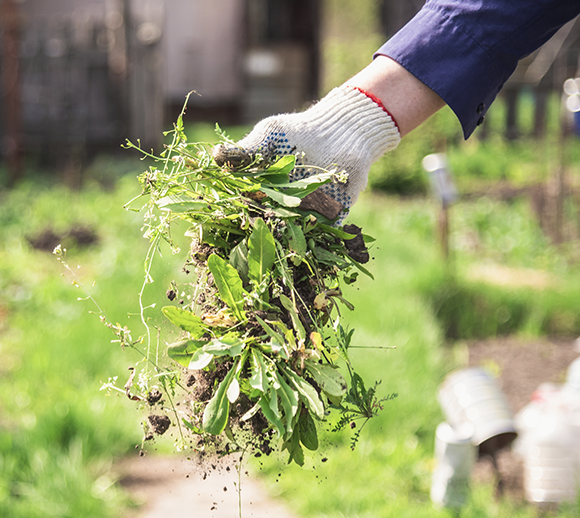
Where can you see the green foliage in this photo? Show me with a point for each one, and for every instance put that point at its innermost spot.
(469, 310)
(267, 301)
(350, 36)
(60, 433)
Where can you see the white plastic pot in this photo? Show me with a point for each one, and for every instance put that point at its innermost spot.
(473, 396)
(455, 454)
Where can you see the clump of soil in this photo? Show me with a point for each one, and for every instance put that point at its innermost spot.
(204, 382)
(159, 423)
(154, 396)
(356, 246)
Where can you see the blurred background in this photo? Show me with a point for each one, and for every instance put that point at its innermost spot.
(80, 76)
(490, 275)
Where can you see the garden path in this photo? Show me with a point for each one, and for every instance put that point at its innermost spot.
(171, 486)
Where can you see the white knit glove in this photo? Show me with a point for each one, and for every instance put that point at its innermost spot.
(347, 130)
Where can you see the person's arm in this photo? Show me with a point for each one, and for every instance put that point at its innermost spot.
(455, 52)
(406, 98)
(465, 50)
(347, 130)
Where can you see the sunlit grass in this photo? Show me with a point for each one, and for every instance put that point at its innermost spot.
(55, 354)
(389, 472)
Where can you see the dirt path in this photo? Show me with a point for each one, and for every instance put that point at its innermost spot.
(173, 487)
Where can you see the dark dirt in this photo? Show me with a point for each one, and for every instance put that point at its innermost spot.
(320, 202)
(159, 423)
(203, 382)
(356, 246)
(154, 396)
(522, 365)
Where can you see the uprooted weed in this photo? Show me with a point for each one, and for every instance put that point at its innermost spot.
(262, 357)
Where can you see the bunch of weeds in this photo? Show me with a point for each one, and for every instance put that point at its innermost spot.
(261, 340)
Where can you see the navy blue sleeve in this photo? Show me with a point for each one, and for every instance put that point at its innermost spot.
(465, 50)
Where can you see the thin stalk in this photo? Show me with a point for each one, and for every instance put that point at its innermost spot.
(147, 280)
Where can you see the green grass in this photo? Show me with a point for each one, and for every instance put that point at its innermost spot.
(59, 434)
(389, 472)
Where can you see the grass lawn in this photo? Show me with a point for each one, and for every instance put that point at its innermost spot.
(389, 472)
(59, 434)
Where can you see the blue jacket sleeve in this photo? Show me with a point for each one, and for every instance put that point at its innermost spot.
(465, 50)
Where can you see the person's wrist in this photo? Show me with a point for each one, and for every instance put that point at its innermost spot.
(408, 100)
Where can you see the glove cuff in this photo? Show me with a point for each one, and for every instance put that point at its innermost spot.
(358, 120)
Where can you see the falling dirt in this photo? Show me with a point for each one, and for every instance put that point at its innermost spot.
(159, 423)
(179, 488)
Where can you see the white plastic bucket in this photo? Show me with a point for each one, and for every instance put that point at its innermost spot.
(551, 460)
(473, 396)
(455, 455)
(549, 443)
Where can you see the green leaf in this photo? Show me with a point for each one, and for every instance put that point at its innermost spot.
(311, 222)
(326, 257)
(239, 260)
(283, 268)
(289, 306)
(277, 338)
(261, 251)
(327, 378)
(284, 213)
(217, 411)
(233, 391)
(200, 360)
(307, 392)
(289, 400)
(259, 378)
(271, 415)
(360, 267)
(281, 198)
(185, 320)
(336, 232)
(296, 239)
(294, 449)
(176, 203)
(191, 427)
(182, 352)
(228, 283)
(284, 165)
(308, 432)
(304, 187)
(226, 345)
(211, 239)
(251, 413)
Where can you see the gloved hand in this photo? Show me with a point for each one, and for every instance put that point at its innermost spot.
(347, 130)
